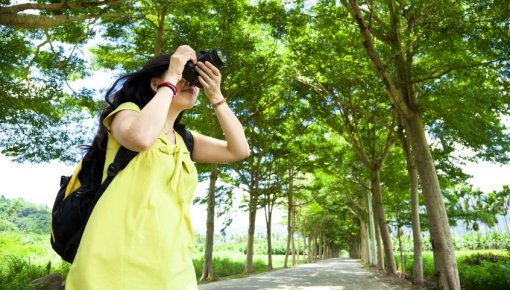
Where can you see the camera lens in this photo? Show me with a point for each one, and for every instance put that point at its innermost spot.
(216, 56)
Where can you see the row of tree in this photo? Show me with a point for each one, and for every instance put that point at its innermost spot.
(355, 111)
(19, 215)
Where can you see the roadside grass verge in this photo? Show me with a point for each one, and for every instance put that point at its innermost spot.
(231, 264)
(478, 269)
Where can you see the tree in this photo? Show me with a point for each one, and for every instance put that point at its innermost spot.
(415, 206)
(345, 94)
(207, 268)
(270, 194)
(404, 42)
(43, 116)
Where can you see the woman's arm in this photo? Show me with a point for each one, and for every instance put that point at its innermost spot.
(138, 131)
(211, 150)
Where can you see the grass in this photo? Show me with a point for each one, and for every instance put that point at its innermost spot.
(231, 264)
(34, 247)
(26, 257)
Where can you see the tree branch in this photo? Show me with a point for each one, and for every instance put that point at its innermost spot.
(55, 6)
(33, 21)
(390, 140)
(11, 17)
(390, 86)
(436, 74)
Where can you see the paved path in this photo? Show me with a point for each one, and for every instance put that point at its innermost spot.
(331, 274)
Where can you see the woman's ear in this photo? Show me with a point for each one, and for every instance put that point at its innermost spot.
(154, 84)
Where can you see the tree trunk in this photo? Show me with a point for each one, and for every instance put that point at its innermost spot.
(252, 213)
(304, 250)
(290, 230)
(415, 221)
(293, 244)
(319, 244)
(380, 250)
(324, 247)
(207, 269)
(401, 252)
(354, 251)
(298, 251)
(310, 251)
(371, 238)
(365, 247)
(315, 249)
(269, 245)
(383, 227)
(446, 271)
(160, 29)
(415, 205)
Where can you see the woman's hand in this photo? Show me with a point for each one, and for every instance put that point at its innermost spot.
(210, 78)
(178, 60)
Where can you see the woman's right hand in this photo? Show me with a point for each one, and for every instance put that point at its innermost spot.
(178, 60)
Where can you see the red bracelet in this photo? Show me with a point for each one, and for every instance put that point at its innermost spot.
(169, 85)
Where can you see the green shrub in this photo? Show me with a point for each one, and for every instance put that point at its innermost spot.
(16, 273)
(485, 271)
(225, 266)
(479, 270)
(428, 263)
(222, 267)
(279, 250)
(259, 266)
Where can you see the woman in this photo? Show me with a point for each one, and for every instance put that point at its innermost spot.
(139, 235)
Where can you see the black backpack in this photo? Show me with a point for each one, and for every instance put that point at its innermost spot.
(70, 213)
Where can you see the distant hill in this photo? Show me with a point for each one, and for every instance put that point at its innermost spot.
(21, 215)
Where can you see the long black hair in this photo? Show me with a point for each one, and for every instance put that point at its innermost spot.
(134, 87)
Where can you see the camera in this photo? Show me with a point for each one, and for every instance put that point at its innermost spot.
(216, 56)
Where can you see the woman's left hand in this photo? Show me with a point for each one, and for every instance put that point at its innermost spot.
(210, 78)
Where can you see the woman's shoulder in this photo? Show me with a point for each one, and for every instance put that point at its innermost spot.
(124, 106)
(127, 106)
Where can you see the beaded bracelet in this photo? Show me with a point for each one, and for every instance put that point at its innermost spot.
(169, 85)
(219, 103)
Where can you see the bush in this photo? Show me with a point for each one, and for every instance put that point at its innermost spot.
(488, 271)
(17, 273)
(428, 263)
(485, 271)
(222, 267)
(225, 266)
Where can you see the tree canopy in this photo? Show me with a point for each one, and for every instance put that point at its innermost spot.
(324, 90)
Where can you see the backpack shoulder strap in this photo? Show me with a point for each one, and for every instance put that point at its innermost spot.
(186, 136)
(122, 159)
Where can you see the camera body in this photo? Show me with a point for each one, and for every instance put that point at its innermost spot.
(216, 56)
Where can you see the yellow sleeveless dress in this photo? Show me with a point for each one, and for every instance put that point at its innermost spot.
(139, 235)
